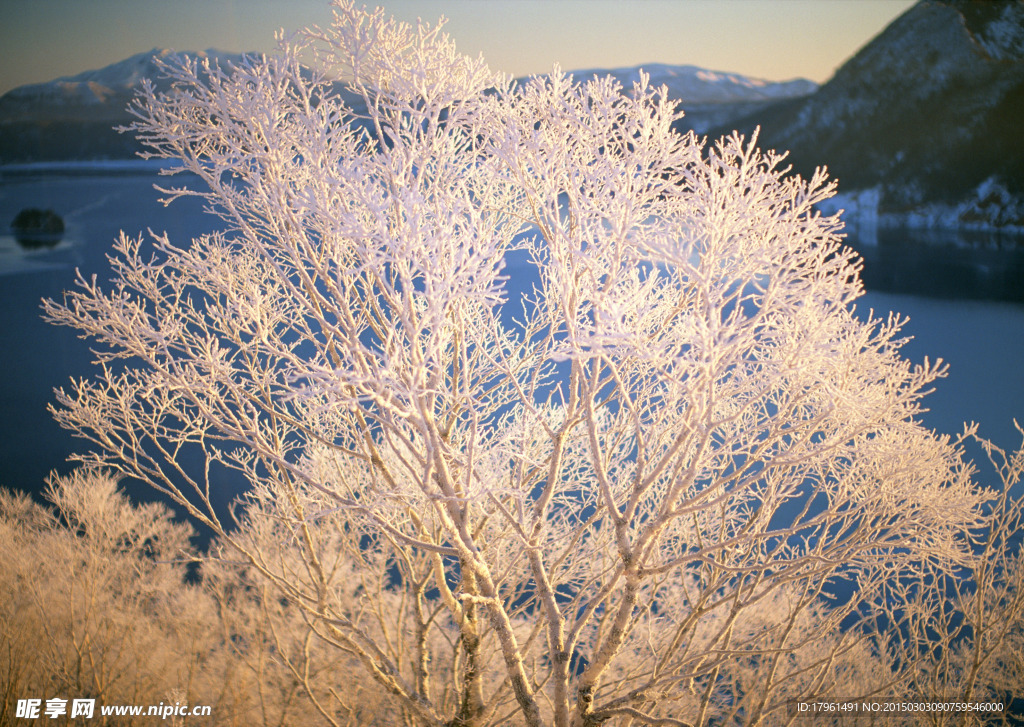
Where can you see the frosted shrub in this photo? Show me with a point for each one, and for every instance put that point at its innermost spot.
(93, 602)
(648, 490)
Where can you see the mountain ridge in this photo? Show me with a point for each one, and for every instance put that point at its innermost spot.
(71, 117)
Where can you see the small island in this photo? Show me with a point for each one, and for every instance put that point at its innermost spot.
(34, 227)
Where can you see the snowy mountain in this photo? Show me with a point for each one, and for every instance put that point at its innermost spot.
(72, 118)
(923, 125)
(709, 98)
(691, 84)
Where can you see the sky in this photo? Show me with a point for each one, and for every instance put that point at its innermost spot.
(773, 39)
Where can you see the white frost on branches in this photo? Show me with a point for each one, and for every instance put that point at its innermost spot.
(627, 494)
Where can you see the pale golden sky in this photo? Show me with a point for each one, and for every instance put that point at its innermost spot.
(773, 39)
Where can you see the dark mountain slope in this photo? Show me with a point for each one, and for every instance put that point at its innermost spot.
(926, 112)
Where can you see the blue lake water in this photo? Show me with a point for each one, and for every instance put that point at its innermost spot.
(974, 265)
(983, 340)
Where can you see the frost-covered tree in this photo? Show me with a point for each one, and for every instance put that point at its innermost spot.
(548, 414)
(964, 631)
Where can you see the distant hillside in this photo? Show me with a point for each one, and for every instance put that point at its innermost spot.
(927, 119)
(73, 118)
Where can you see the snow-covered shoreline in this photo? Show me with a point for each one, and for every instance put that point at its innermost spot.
(991, 208)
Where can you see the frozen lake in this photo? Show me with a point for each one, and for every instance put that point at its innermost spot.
(982, 340)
